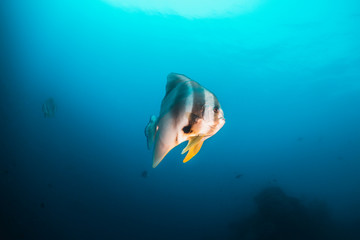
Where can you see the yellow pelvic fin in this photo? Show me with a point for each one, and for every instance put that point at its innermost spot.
(193, 147)
(192, 142)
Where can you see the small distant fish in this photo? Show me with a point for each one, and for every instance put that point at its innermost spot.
(189, 112)
(144, 174)
(238, 176)
(49, 108)
(299, 139)
(42, 205)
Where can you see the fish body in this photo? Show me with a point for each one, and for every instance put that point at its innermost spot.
(189, 112)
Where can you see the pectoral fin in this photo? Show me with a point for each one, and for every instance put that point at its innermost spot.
(150, 131)
(193, 147)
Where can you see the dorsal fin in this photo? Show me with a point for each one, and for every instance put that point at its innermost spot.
(173, 79)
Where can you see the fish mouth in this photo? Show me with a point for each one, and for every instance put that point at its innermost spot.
(222, 121)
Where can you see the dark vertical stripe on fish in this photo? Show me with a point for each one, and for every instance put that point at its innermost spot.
(198, 100)
(198, 106)
(216, 113)
(179, 104)
(216, 102)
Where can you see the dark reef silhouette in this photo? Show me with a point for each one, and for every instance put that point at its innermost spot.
(280, 217)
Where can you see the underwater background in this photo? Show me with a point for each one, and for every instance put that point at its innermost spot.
(284, 166)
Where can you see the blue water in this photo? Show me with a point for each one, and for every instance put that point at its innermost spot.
(284, 166)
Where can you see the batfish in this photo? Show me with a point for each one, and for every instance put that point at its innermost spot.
(189, 112)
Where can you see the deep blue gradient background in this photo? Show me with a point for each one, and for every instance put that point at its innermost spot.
(287, 75)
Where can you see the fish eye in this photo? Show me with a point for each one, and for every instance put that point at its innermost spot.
(216, 109)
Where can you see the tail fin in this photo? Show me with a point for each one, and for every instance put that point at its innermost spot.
(150, 131)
